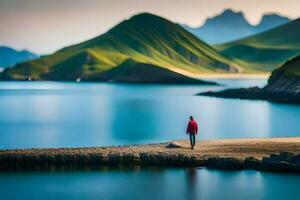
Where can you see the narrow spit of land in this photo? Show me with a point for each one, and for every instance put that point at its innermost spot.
(278, 154)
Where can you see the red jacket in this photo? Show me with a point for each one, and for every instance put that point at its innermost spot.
(192, 127)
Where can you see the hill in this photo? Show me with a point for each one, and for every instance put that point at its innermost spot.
(283, 86)
(143, 39)
(268, 50)
(286, 79)
(132, 72)
(230, 25)
(269, 21)
(9, 56)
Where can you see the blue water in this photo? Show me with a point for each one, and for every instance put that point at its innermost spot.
(51, 114)
(150, 184)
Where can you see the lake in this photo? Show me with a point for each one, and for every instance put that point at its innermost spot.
(150, 184)
(52, 114)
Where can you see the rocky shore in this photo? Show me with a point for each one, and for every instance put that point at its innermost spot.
(274, 154)
(283, 86)
(256, 93)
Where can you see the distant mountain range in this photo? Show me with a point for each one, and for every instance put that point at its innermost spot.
(150, 49)
(145, 48)
(277, 49)
(268, 50)
(230, 25)
(9, 56)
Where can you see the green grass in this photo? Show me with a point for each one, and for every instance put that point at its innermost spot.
(266, 51)
(290, 68)
(145, 38)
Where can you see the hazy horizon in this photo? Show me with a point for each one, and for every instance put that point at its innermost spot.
(45, 26)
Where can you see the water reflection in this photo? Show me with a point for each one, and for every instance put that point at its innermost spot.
(134, 119)
(148, 184)
(69, 114)
(282, 119)
(191, 184)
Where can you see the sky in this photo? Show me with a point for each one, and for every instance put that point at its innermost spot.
(44, 26)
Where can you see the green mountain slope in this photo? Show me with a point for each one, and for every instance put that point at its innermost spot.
(288, 72)
(268, 50)
(132, 72)
(144, 39)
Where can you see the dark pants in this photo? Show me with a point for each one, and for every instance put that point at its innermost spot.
(192, 139)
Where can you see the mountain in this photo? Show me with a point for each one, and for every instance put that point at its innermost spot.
(286, 79)
(9, 56)
(268, 50)
(283, 86)
(145, 40)
(132, 72)
(230, 25)
(270, 21)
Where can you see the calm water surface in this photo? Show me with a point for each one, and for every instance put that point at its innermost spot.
(51, 114)
(150, 184)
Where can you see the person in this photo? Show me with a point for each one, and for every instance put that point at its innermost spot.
(192, 130)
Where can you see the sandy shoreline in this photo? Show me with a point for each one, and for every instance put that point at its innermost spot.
(224, 154)
(239, 148)
(222, 75)
(234, 76)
